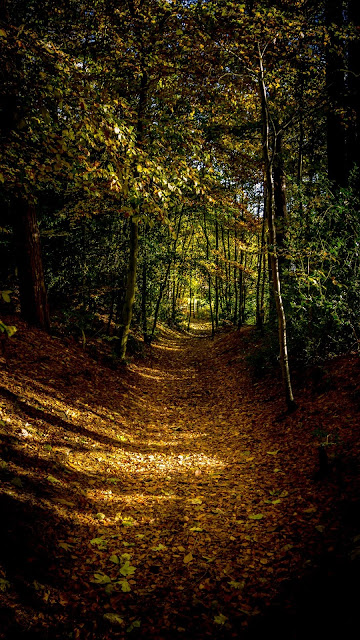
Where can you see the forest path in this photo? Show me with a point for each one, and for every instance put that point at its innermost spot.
(175, 494)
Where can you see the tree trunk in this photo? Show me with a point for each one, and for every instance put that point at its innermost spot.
(260, 280)
(134, 226)
(335, 81)
(235, 278)
(241, 290)
(274, 261)
(130, 289)
(209, 278)
(144, 292)
(33, 297)
(164, 282)
(111, 310)
(216, 276)
(354, 91)
(173, 302)
(280, 199)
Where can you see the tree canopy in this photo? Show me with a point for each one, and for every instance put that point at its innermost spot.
(165, 158)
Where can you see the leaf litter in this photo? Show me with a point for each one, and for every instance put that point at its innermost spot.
(175, 497)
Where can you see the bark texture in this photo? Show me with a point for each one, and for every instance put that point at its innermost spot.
(273, 256)
(33, 296)
(130, 288)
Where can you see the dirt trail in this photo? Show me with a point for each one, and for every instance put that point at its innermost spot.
(173, 499)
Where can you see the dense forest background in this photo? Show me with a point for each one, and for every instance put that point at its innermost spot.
(167, 159)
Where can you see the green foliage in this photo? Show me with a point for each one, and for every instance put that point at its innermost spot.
(97, 141)
(322, 290)
(4, 584)
(9, 330)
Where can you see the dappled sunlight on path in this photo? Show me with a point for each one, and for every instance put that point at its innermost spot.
(181, 472)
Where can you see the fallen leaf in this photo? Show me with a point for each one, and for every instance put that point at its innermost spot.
(127, 569)
(99, 542)
(67, 503)
(4, 584)
(113, 619)
(236, 585)
(134, 625)
(160, 547)
(114, 558)
(125, 587)
(65, 545)
(101, 578)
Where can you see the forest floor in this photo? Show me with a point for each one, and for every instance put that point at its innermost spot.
(175, 497)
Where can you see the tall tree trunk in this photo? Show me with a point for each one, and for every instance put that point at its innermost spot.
(229, 272)
(260, 280)
(111, 309)
(235, 279)
(127, 310)
(134, 226)
(190, 296)
(144, 291)
(335, 80)
(227, 278)
(274, 261)
(354, 90)
(173, 303)
(300, 162)
(209, 278)
(280, 199)
(33, 297)
(216, 275)
(165, 280)
(241, 291)
(244, 290)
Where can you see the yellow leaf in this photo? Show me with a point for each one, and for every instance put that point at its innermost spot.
(310, 510)
(67, 503)
(188, 558)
